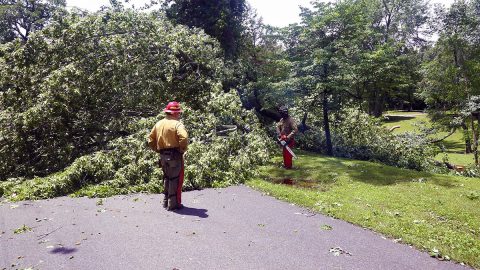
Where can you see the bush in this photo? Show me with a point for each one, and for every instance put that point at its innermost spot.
(470, 171)
(357, 135)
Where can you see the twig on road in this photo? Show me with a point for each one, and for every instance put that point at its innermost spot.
(47, 234)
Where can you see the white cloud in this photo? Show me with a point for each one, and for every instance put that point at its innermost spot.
(279, 12)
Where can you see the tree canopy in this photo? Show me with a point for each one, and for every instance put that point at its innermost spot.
(78, 83)
(19, 18)
(222, 19)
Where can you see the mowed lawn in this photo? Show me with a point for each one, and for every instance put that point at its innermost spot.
(453, 147)
(436, 213)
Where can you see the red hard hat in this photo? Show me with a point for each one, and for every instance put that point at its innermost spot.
(172, 107)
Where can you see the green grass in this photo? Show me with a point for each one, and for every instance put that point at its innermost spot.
(406, 121)
(453, 146)
(430, 211)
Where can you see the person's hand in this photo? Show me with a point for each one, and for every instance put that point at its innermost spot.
(283, 137)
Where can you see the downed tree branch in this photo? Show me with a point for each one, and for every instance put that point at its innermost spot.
(448, 135)
(393, 128)
(224, 130)
(47, 234)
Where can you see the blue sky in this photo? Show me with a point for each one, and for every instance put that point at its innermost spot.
(274, 12)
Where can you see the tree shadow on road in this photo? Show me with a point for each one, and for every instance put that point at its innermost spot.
(63, 250)
(188, 211)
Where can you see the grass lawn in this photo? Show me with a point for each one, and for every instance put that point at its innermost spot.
(432, 212)
(453, 146)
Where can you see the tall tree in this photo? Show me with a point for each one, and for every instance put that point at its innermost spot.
(327, 46)
(221, 19)
(451, 78)
(264, 61)
(395, 37)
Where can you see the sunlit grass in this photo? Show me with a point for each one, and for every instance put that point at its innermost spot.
(408, 121)
(453, 147)
(429, 211)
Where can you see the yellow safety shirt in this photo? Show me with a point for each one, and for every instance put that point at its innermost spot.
(168, 133)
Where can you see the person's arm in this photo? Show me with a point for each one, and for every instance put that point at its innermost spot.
(182, 138)
(152, 139)
(279, 127)
(294, 128)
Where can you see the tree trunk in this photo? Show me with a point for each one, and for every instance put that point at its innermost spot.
(371, 101)
(410, 99)
(475, 143)
(326, 124)
(475, 140)
(303, 125)
(468, 141)
(376, 103)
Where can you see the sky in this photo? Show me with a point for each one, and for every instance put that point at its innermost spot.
(274, 12)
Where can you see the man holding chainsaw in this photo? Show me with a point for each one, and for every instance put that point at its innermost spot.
(286, 130)
(169, 138)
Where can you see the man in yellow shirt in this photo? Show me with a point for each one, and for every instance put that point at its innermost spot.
(169, 138)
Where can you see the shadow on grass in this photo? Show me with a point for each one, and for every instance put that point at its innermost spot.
(397, 118)
(324, 171)
(452, 146)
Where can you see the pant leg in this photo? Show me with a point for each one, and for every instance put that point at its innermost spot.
(173, 168)
(180, 183)
(287, 157)
(165, 191)
(172, 193)
(163, 165)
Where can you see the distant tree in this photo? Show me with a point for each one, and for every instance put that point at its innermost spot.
(221, 19)
(388, 67)
(264, 61)
(323, 53)
(19, 18)
(451, 78)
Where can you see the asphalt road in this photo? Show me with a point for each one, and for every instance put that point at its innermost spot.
(232, 228)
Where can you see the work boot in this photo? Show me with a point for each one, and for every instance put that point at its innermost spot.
(165, 203)
(172, 203)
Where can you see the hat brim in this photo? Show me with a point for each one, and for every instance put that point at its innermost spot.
(170, 111)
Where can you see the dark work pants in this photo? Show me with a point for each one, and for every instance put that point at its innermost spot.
(173, 173)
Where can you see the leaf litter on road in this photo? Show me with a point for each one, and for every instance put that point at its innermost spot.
(326, 227)
(22, 229)
(337, 251)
